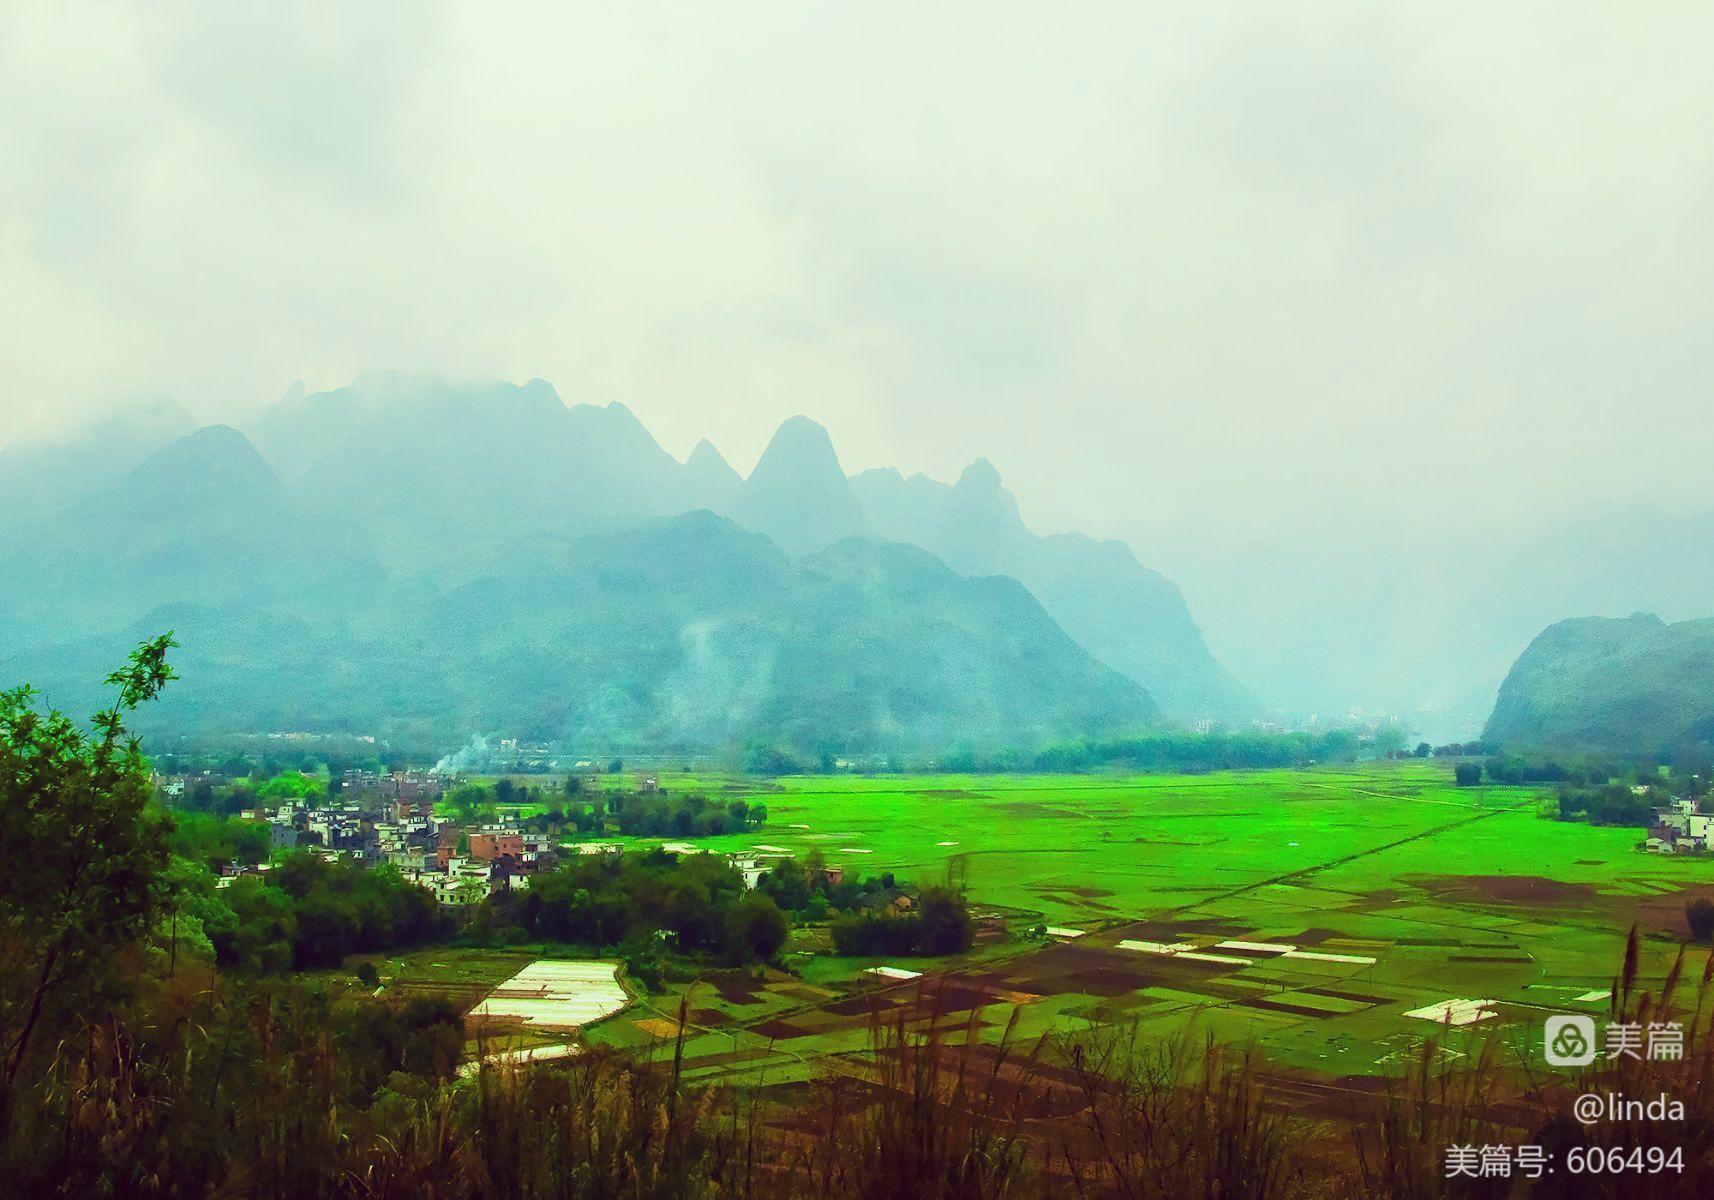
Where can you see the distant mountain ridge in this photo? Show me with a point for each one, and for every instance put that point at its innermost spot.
(1634, 685)
(357, 512)
(1133, 619)
(683, 633)
(40, 478)
(798, 494)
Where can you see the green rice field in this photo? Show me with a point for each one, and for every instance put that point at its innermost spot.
(1355, 896)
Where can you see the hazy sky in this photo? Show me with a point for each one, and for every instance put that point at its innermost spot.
(1214, 264)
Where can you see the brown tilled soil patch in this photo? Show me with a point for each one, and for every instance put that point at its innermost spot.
(1666, 910)
(1296, 1010)
(1489, 958)
(1101, 981)
(727, 1057)
(1313, 937)
(1178, 931)
(1020, 1082)
(1508, 889)
(1071, 898)
(948, 997)
(709, 1016)
(1346, 1098)
(778, 1029)
(864, 1005)
(1354, 997)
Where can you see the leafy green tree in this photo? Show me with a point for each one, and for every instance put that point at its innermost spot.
(466, 799)
(1699, 915)
(945, 924)
(788, 884)
(755, 929)
(84, 858)
(217, 842)
(327, 929)
(641, 954)
(289, 785)
(762, 757)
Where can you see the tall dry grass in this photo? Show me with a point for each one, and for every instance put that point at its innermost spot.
(205, 1088)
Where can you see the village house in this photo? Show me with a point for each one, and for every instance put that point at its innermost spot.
(463, 883)
(1682, 828)
(490, 845)
(893, 901)
(282, 833)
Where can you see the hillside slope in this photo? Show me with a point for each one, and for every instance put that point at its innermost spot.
(687, 633)
(1627, 685)
(1129, 617)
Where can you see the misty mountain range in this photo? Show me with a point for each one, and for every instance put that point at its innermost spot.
(423, 559)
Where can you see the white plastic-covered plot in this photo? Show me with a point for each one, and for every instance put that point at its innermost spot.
(894, 973)
(556, 993)
(1455, 1011)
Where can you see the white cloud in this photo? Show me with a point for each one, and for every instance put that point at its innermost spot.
(1204, 263)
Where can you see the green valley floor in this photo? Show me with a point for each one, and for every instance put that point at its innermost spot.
(1305, 913)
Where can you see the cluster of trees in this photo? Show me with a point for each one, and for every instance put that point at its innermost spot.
(1518, 769)
(763, 757)
(1613, 804)
(1199, 751)
(698, 901)
(1476, 749)
(202, 796)
(306, 913)
(803, 887)
(1161, 751)
(662, 815)
(563, 817)
(215, 842)
(1688, 770)
(938, 923)
(633, 813)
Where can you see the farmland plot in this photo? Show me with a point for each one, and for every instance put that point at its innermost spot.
(556, 994)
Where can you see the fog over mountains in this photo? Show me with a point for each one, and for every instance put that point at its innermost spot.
(423, 559)
(1319, 614)
(429, 558)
